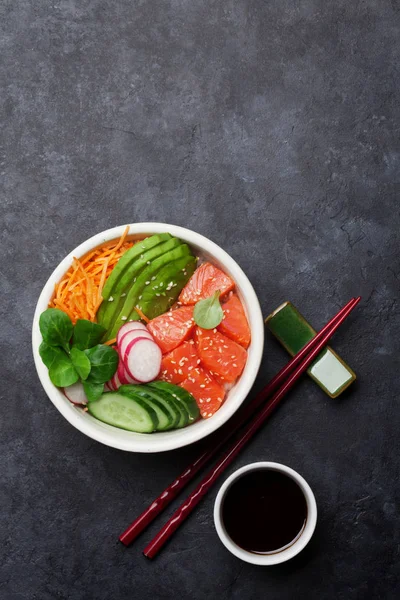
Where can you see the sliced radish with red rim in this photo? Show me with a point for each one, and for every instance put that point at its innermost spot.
(123, 374)
(131, 326)
(75, 393)
(143, 359)
(129, 337)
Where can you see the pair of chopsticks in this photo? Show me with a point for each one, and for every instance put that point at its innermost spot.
(245, 424)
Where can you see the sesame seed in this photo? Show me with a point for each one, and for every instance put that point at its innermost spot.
(190, 368)
(147, 282)
(202, 385)
(210, 414)
(180, 372)
(173, 362)
(158, 294)
(124, 318)
(148, 262)
(234, 365)
(208, 400)
(161, 284)
(140, 297)
(214, 331)
(111, 299)
(198, 362)
(201, 401)
(142, 256)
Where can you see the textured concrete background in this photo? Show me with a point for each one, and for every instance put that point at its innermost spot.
(273, 128)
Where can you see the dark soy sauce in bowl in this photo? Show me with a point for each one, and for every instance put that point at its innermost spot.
(264, 511)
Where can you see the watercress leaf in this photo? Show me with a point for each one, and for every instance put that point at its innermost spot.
(104, 362)
(208, 313)
(62, 372)
(80, 362)
(87, 334)
(56, 328)
(50, 354)
(93, 390)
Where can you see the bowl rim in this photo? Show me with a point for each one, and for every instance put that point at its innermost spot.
(170, 440)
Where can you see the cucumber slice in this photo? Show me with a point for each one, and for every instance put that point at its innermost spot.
(180, 395)
(168, 403)
(123, 412)
(185, 418)
(165, 417)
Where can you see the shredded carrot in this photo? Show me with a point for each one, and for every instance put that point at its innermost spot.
(111, 342)
(142, 315)
(79, 293)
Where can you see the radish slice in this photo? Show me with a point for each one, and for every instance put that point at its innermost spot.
(117, 382)
(114, 382)
(143, 359)
(107, 386)
(128, 337)
(123, 374)
(131, 326)
(75, 393)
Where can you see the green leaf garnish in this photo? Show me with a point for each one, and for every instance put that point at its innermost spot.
(93, 390)
(87, 334)
(50, 354)
(56, 328)
(62, 372)
(208, 313)
(104, 362)
(80, 362)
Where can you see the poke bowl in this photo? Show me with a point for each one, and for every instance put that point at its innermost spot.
(181, 337)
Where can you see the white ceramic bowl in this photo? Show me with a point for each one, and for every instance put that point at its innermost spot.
(277, 557)
(168, 440)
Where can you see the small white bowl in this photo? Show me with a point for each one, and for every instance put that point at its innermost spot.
(168, 440)
(278, 557)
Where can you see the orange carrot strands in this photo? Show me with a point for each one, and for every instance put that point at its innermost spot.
(121, 241)
(110, 342)
(78, 293)
(142, 315)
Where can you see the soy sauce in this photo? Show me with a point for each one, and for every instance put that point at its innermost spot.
(264, 511)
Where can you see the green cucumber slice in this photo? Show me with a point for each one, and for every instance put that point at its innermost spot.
(180, 395)
(168, 403)
(123, 412)
(164, 414)
(185, 418)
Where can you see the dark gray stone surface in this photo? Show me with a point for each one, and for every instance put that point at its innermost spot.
(273, 128)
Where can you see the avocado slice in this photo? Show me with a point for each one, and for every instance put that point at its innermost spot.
(143, 279)
(128, 257)
(112, 307)
(164, 290)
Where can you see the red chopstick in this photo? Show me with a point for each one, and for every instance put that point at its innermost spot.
(164, 499)
(181, 514)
